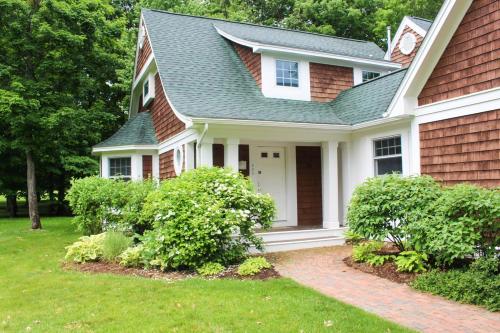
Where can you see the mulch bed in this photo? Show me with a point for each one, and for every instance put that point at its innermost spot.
(387, 271)
(113, 268)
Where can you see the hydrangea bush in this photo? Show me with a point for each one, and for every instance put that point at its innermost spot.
(204, 215)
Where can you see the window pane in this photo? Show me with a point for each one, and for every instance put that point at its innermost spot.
(287, 73)
(119, 166)
(385, 166)
(369, 75)
(387, 146)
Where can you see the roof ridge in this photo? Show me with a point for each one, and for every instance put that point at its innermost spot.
(258, 25)
(421, 18)
(377, 78)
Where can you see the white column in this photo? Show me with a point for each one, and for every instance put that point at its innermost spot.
(330, 184)
(136, 166)
(231, 157)
(156, 166)
(189, 155)
(206, 157)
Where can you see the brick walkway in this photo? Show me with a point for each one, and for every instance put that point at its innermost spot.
(323, 270)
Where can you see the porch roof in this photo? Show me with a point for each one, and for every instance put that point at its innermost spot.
(138, 130)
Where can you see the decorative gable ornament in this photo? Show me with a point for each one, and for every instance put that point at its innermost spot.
(407, 43)
(178, 159)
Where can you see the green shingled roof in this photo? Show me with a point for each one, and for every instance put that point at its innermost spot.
(138, 130)
(421, 22)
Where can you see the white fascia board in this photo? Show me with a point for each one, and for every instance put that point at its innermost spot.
(145, 70)
(450, 15)
(264, 123)
(181, 138)
(137, 47)
(482, 101)
(259, 48)
(407, 22)
(381, 121)
(123, 148)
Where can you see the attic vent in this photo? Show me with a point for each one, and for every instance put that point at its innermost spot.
(407, 43)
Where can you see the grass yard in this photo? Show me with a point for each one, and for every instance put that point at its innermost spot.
(37, 295)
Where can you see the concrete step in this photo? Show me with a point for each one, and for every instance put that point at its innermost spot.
(289, 235)
(298, 244)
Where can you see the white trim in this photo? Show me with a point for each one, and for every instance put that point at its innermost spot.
(259, 48)
(381, 121)
(482, 101)
(144, 70)
(124, 148)
(181, 138)
(266, 123)
(439, 35)
(406, 22)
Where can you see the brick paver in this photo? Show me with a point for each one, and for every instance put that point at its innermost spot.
(324, 270)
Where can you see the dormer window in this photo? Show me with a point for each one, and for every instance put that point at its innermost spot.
(287, 73)
(367, 76)
(148, 89)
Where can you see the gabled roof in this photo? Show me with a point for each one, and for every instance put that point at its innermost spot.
(302, 40)
(138, 130)
(204, 77)
(421, 22)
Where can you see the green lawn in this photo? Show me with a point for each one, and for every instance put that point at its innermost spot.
(37, 295)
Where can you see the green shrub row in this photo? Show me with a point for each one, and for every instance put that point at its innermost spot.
(416, 213)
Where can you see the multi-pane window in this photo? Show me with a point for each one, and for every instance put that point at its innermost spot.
(388, 157)
(367, 76)
(287, 73)
(120, 167)
(146, 88)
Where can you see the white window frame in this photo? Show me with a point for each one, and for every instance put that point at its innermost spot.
(150, 82)
(119, 176)
(368, 71)
(291, 79)
(377, 158)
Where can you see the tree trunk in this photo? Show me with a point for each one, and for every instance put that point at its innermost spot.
(32, 196)
(12, 205)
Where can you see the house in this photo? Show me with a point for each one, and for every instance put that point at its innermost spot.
(308, 117)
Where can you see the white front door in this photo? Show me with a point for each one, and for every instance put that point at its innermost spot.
(268, 175)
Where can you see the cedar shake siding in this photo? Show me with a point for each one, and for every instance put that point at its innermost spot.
(309, 200)
(328, 81)
(406, 59)
(147, 166)
(462, 149)
(143, 55)
(165, 121)
(470, 62)
(167, 165)
(251, 61)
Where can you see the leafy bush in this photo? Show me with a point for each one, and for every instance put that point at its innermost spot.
(107, 204)
(386, 206)
(132, 256)
(87, 248)
(466, 221)
(210, 268)
(353, 238)
(366, 250)
(378, 260)
(473, 285)
(253, 265)
(206, 214)
(114, 244)
(411, 261)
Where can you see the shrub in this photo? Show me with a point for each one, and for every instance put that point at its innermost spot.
(206, 214)
(366, 250)
(87, 248)
(114, 244)
(132, 256)
(353, 238)
(386, 206)
(107, 204)
(411, 261)
(253, 265)
(466, 221)
(473, 285)
(210, 268)
(378, 260)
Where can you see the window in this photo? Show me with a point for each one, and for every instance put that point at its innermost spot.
(145, 90)
(388, 157)
(148, 89)
(367, 76)
(287, 73)
(120, 167)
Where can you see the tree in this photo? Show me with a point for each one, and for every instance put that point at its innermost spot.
(58, 73)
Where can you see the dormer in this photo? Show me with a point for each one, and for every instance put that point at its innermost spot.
(297, 65)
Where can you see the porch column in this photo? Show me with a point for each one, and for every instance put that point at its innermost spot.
(330, 184)
(206, 157)
(104, 166)
(231, 158)
(189, 155)
(136, 166)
